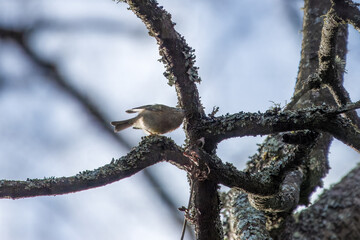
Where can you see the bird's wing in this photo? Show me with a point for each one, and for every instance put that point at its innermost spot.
(138, 109)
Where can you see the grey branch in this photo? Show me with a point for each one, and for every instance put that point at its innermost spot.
(53, 73)
(332, 66)
(244, 221)
(286, 199)
(348, 11)
(262, 184)
(179, 61)
(151, 150)
(321, 118)
(177, 56)
(335, 213)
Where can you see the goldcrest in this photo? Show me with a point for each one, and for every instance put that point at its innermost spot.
(153, 119)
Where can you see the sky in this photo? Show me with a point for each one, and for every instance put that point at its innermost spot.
(248, 53)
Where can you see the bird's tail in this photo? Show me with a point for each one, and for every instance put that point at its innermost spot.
(121, 125)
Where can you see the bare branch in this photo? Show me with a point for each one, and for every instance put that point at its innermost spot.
(151, 150)
(206, 206)
(312, 24)
(177, 56)
(229, 176)
(336, 213)
(348, 11)
(286, 199)
(252, 124)
(327, 51)
(179, 61)
(345, 131)
(244, 221)
(263, 184)
(54, 74)
(211, 171)
(313, 82)
(332, 66)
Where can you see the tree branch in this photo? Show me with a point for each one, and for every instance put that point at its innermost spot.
(348, 11)
(334, 214)
(178, 58)
(328, 70)
(286, 199)
(332, 66)
(179, 61)
(262, 184)
(243, 221)
(151, 150)
(54, 74)
(207, 211)
(210, 171)
(343, 130)
(252, 124)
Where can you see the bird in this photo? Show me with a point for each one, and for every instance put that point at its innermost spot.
(155, 119)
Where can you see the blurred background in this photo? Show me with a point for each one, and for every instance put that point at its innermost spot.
(68, 68)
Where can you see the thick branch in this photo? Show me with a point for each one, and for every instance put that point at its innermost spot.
(312, 24)
(316, 165)
(252, 124)
(348, 11)
(312, 82)
(212, 168)
(343, 130)
(257, 184)
(177, 56)
(334, 215)
(331, 65)
(151, 150)
(243, 220)
(207, 211)
(286, 199)
(263, 184)
(210, 171)
(179, 61)
(327, 51)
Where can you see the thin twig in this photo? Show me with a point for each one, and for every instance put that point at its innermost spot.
(188, 207)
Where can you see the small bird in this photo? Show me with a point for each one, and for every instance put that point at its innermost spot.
(153, 119)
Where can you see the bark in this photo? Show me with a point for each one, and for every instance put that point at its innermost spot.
(315, 72)
(335, 215)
